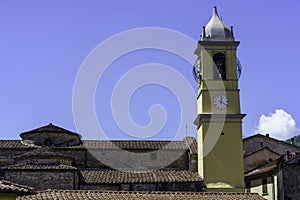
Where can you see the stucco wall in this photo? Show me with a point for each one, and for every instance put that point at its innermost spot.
(256, 187)
(7, 196)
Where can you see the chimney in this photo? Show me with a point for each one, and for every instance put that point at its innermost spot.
(292, 141)
(267, 135)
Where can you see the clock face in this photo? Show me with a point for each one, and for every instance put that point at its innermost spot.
(221, 101)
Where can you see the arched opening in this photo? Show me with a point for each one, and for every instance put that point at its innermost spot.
(219, 66)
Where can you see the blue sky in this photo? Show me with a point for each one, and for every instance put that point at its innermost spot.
(43, 44)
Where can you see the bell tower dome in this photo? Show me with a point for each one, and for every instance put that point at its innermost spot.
(216, 29)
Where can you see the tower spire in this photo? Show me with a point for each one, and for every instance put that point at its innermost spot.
(216, 29)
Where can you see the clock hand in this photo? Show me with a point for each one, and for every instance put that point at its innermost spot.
(222, 102)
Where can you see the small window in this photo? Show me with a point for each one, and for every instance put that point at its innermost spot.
(248, 187)
(261, 144)
(264, 186)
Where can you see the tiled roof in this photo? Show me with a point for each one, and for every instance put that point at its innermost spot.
(134, 144)
(114, 176)
(262, 169)
(49, 128)
(271, 139)
(118, 195)
(114, 144)
(39, 167)
(9, 187)
(15, 144)
(261, 149)
(192, 143)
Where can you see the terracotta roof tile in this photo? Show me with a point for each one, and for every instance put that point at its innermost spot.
(134, 144)
(15, 144)
(114, 176)
(49, 128)
(192, 144)
(118, 195)
(261, 149)
(9, 187)
(39, 167)
(262, 169)
(271, 139)
(114, 144)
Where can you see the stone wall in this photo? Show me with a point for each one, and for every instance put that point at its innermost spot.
(43, 179)
(7, 155)
(291, 179)
(77, 154)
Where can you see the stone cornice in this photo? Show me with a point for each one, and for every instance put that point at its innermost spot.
(231, 118)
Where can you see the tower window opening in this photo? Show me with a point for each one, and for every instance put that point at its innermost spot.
(219, 66)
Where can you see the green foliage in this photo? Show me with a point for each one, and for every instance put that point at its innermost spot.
(296, 140)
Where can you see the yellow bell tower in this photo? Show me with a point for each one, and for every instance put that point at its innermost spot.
(219, 121)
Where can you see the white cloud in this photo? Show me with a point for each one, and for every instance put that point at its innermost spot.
(279, 125)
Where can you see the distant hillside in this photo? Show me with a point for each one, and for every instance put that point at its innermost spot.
(296, 140)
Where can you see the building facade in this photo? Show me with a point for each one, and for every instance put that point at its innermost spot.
(272, 167)
(51, 157)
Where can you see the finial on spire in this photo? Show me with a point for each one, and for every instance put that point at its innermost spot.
(215, 12)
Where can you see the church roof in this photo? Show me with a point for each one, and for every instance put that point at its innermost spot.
(9, 187)
(159, 176)
(113, 144)
(15, 144)
(134, 144)
(192, 144)
(40, 166)
(126, 195)
(49, 128)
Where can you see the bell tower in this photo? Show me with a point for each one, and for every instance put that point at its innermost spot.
(219, 119)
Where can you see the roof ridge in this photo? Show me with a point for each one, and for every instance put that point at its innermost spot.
(262, 148)
(147, 192)
(270, 138)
